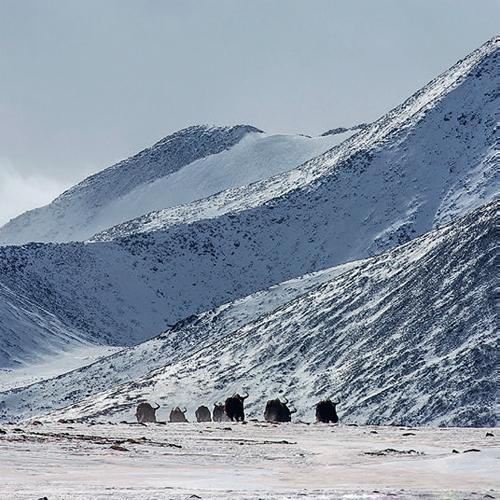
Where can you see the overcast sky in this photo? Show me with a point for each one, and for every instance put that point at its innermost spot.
(86, 83)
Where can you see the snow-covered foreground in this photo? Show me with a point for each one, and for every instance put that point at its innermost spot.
(256, 460)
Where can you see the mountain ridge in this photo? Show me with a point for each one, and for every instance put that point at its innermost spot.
(428, 302)
(373, 135)
(190, 164)
(141, 167)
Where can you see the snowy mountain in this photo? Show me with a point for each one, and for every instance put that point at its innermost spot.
(406, 337)
(423, 164)
(189, 165)
(426, 162)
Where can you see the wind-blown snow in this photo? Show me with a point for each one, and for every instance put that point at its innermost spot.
(28, 332)
(69, 357)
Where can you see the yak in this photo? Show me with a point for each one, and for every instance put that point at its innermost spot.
(326, 411)
(234, 407)
(178, 415)
(278, 411)
(219, 413)
(203, 414)
(146, 413)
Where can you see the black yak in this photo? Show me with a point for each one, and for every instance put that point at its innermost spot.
(326, 411)
(146, 413)
(278, 411)
(219, 413)
(203, 414)
(178, 415)
(234, 407)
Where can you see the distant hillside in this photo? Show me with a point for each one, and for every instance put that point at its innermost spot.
(189, 165)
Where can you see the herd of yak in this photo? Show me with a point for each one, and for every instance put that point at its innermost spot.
(233, 410)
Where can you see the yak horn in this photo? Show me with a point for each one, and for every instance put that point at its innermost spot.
(293, 410)
(336, 402)
(157, 406)
(285, 400)
(244, 397)
(184, 411)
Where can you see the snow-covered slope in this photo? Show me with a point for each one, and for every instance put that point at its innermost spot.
(189, 165)
(132, 363)
(28, 331)
(68, 357)
(424, 163)
(257, 156)
(404, 337)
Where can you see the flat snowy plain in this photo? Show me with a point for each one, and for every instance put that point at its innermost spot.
(256, 460)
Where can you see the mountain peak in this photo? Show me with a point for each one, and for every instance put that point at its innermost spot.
(54, 222)
(230, 134)
(168, 155)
